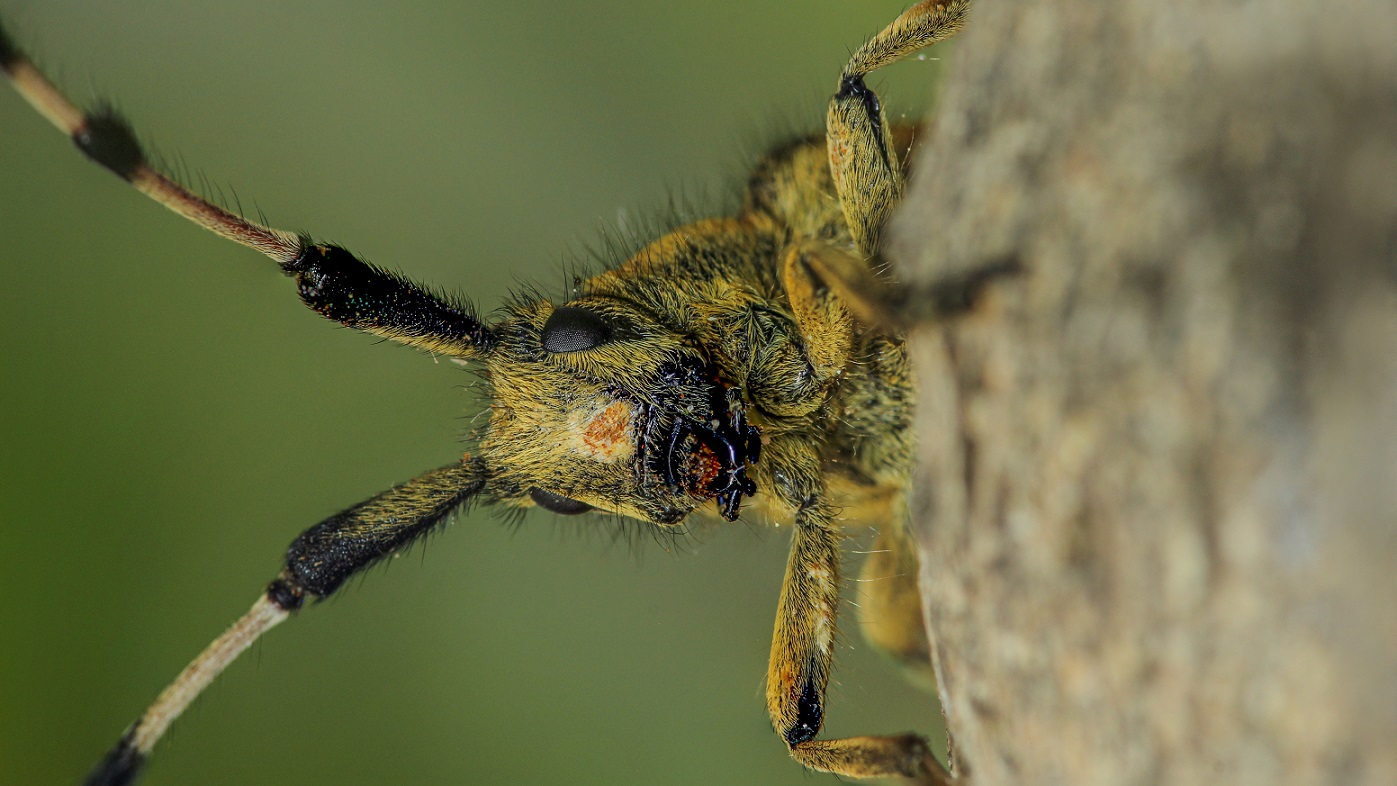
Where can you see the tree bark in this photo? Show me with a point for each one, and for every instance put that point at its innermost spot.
(1158, 493)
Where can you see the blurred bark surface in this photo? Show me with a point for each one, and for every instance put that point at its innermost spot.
(1158, 495)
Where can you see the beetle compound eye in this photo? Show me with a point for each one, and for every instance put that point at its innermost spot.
(571, 329)
(558, 503)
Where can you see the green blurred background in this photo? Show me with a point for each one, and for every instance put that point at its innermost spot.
(170, 417)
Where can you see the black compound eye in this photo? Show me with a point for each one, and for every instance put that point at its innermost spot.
(571, 329)
(558, 503)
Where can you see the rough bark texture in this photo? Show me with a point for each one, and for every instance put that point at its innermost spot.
(1159, 483)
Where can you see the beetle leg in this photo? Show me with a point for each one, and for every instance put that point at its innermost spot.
(825, 324)
(863, 158)
(802, 645)
(801, 652)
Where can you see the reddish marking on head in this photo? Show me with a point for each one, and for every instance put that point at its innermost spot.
(607, 431)
(702, 466)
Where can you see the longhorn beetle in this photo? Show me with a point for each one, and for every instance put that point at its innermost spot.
(731, 365)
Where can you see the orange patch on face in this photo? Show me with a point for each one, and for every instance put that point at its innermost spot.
(607, 435)
(703, 467)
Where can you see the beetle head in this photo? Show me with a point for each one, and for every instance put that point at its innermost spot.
(596, 404)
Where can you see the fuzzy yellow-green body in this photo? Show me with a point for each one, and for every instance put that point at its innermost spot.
(728, 288)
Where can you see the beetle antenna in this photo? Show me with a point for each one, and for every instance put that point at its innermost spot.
(123, 762)
(330, 280)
